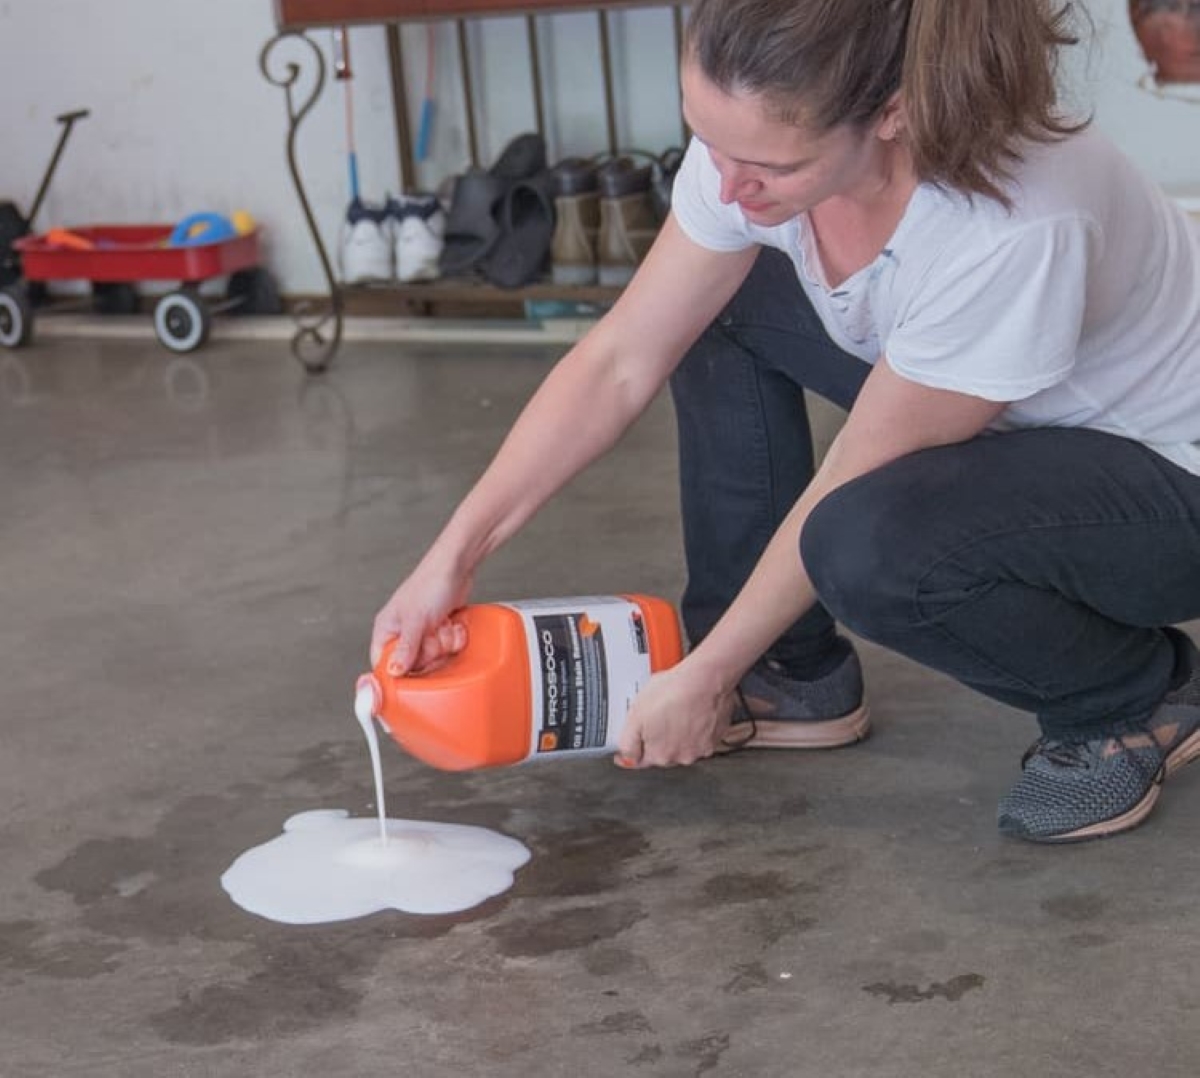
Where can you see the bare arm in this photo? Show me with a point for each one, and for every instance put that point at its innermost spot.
(891, 418)
(590, 398)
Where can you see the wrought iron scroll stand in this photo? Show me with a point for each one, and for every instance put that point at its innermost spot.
(319, 324)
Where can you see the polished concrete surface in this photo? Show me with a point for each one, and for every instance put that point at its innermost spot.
(192, 552)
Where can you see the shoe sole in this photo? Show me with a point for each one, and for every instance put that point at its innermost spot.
(1179, 757)
(1182, 755)
(1127, 821)
(798, 734)
(567, 273)
(614, 276)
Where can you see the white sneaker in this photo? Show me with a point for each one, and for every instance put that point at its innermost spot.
(418, 234)
(365, 244)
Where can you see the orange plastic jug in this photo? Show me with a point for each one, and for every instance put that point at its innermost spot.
(538, 679)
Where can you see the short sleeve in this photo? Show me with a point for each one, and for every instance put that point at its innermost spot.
(1003, 320)
(696, 205)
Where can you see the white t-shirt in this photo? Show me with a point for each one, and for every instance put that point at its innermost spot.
(1080, 306)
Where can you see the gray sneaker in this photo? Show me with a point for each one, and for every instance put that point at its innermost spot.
(1074, 790)
(778, 712)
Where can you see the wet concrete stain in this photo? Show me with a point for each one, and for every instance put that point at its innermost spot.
(573, 928)
(952, 990)
(646, 1056)
(164, 888)
(1075, 907)
(26, 948)
(624, 1022)
(656, 872)
(715, 845)
(585, 860)
(706, 1051)
(796, 853)
(730, 888)
(296, 988)
(611, 961)
(773, 923)
(746, 978)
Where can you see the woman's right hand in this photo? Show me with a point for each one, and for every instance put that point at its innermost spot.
(418, 617)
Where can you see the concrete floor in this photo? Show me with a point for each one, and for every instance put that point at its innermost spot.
(192, 552)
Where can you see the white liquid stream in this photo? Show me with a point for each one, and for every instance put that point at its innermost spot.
(364, 703)
(327, 866)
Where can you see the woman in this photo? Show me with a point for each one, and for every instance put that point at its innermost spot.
(883, 205)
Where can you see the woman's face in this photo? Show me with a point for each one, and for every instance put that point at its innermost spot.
(774, 170)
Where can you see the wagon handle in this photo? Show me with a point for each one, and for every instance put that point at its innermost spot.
(68, 120)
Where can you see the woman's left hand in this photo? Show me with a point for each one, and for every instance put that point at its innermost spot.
(676, 719)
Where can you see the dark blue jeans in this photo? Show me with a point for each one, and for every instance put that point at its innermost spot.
(1039, 567)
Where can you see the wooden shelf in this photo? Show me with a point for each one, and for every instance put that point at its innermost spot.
(465, 297)
(447, 298)
(300, 14)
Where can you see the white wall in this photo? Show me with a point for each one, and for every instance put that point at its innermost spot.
(182, 119)
(1161, 133)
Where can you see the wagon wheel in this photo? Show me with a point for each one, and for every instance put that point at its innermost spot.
(182, 321)
(16, 317)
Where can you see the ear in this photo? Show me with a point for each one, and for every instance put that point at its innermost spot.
(893, 120)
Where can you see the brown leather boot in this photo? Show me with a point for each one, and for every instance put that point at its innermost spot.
(577, 222)
(628, 222)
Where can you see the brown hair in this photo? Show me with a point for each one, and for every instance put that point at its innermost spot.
(976, 77)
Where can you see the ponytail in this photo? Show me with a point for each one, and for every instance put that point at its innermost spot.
(980, 77)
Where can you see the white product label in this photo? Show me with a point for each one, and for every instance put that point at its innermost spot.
(588, 659)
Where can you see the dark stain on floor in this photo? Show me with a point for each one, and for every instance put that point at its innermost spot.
(706, 1051)
(26, 948)
(611, 961)
(569, 929)
(775, 922)
(623, 1022)
(584, 860)
(646, 1056)
(294, 988)
(164, 889)
(746, 977)
(952, 990)
(729, 888)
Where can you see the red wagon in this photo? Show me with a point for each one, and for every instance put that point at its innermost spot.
(119, 254)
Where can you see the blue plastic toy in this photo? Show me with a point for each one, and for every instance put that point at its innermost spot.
(198, 228)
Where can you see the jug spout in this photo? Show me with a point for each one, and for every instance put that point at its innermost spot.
(368, 698)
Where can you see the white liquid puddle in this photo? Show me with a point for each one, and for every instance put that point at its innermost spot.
(327, 866)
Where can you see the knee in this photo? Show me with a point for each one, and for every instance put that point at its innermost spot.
(861, 549)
